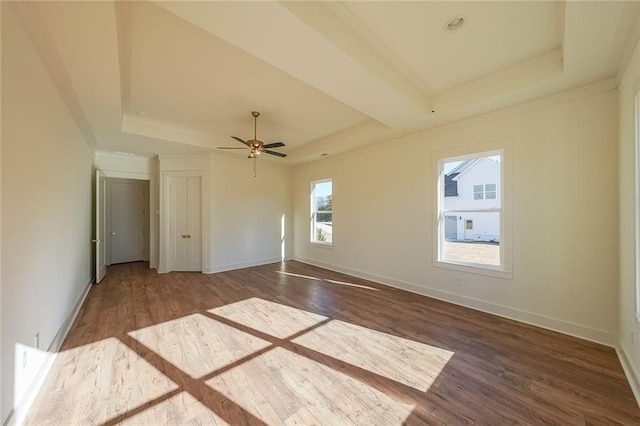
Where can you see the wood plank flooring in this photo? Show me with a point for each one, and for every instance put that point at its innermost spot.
(295, 344)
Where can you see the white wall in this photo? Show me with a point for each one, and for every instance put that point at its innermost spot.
(564, 263)
(629, 327)
(46, 210)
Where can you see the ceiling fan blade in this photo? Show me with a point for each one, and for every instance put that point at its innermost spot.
(279, 154)
(274, 145)
(240, 140)
(230, 147)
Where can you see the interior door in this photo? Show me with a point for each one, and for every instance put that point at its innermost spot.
(101, 230)
(194, 224)
(178, 229)
(126, 221)
(185, 223)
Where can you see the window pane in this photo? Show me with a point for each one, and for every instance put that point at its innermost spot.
(475, 239)
(470, 211)
(322, 207)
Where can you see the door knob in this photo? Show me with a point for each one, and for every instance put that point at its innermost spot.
(113, 233)
(97, 240)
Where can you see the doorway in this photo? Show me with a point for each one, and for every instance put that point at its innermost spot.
(127, 220)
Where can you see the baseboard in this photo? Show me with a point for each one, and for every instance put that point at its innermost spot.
(17, 415)
(553, 324)
(240, 265)
(629, 370)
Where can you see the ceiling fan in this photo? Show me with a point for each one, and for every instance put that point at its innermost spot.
(255, 146)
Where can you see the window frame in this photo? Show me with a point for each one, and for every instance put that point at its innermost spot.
(637, 197)
(504, 148)
(313, 212)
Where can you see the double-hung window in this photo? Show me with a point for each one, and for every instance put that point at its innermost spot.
(322, 212)
(473, 210)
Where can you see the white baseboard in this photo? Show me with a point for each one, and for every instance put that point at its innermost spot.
(565, 327)
(240, 265)
(630, 371)
(17, 415)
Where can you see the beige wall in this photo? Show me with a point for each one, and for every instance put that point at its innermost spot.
(246, 212)
(242, 215)
(565, 231)
(629, 327)
(46, 209)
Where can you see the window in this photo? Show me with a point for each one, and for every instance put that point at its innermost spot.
(490, 191)
(482, 192)
(478, 192)
(473, 222)
(321, 212)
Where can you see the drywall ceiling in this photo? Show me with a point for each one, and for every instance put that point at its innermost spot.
(328, 77)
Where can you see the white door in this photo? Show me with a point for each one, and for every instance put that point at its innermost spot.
(185, 225)
(194, 224)
(101, 231)
(126, 221)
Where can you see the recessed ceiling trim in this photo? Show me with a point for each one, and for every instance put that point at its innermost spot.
(526, 73)
(123, 25)
(304, 56)
(169, 132)
(336, 22)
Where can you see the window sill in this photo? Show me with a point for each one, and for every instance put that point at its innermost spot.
(471, 269)
(319, 244)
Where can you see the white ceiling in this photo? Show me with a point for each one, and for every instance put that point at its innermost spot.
(179, 76)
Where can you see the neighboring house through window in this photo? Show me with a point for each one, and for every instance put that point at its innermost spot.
(322, 212)
(471, 211)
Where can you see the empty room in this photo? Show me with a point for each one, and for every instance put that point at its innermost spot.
(320, 212)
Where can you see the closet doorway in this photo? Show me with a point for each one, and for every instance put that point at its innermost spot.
(127, 221)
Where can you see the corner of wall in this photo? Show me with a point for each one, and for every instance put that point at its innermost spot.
(630, 370)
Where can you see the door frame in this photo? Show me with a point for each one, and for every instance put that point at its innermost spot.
(153, 206)
(165, 218)
(100, 224)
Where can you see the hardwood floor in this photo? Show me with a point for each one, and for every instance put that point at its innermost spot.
(296, 344)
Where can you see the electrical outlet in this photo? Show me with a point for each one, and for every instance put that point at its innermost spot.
(36, 343)
(459, 281)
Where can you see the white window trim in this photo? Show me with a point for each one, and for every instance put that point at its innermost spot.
(312, 212)
(637, 197)
(504, 147)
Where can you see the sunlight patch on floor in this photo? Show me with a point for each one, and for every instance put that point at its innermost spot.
(96, 382)
(268, 317)
(411, 363)
(281, 387)
(291, 274)
(198, 345)
(181, 409)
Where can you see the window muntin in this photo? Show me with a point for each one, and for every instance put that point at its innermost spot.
(322, 212)
(470, 219)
